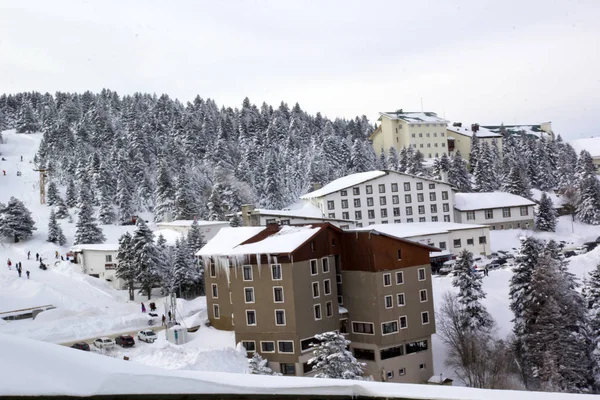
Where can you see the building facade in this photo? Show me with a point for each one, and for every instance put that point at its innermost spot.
(498, 210)
(99, 261)
(460, 138)
(286, 284)
(252, 216)
(382, 197)
(423, 131)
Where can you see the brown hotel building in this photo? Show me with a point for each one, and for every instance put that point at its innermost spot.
(279, 286)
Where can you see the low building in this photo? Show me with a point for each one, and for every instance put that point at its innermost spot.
(99, 260)
(208, 228)
(543, 130)
(498, 210)
(592, 146)
(306, 214)
(460, 138)
(279, 286)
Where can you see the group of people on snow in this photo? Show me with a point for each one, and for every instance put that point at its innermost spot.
(18, 267)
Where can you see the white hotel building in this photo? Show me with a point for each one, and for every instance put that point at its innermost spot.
(384, 197)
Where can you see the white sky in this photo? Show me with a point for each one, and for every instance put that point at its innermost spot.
(485, 61)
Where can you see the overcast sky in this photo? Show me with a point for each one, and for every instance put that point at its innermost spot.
(491, 62)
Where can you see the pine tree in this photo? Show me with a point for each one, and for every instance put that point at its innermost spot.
(416, 164)
(458, 175)
(403, 160)
(470, 294)
(516, 183)
(126, 268)
(87, 232)
(258, 366)
(195, 238)
(393, 160)
(61, 209)
(332, 358)
(124, 200)
(52, 194)
(165, 196)
(545, 218)
(107, 211)
(592, 303)
(27, 121)
(145, 257)
(216, 211)
(55, 233)
(71, 199)
(272, 186)
(588, 206)
(382, 161)
(15, 220)
(185, 207)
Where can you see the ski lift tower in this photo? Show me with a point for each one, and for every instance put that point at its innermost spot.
(43, 177)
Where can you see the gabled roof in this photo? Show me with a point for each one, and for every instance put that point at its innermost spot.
(383, 229)
(413, 117)
(486, 200)
(481, 133)
(227, 239)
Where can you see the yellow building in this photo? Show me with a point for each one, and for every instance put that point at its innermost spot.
(460, 138)
(424, 131)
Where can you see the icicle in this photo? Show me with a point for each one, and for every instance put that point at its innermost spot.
(258, 265)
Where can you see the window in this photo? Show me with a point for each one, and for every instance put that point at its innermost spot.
(369, 202)
(317, 312)
(443, 144)
(420, 135)
(215, 291)
(394, 187)
(506, 212)
(278, 294)
(413, 135)
(369, 189)
(399, 277)
(285, 222)
(395, 199)
(403, 322)
(401, 300)
(409, 220)
(250, 317)
(341, 300)
(327, 287)
(276, 272)
(422, 366)
(470, 215)
(330, 215)
(409, 210)
(249, 295)
(346, 215)
(434, 218)
(482, 240)
(387, 328)
(388, 302)
(470, 242)
(396, 211)
(389, 375)
(213, 270)
(421, 209)
(420, 197)
(387, 279)
(249, 345)
(330, 204)
(344, 193)
(344, 203)
(357, 215)
(108, 258)
(328, 309)
(407, 198)
(416, 347)
(338, 279)
(442, 245)
(524, 210)
(271, 221)
(365, 328)
(285, 346)
(384, 213)
(457, 243)
(407, 186)
(421, 219)
(444, 195)
(402, 371)
(306, 343)
(356, 203)
(419, 185)
(280, 317)
(423, 295)
(267, 347)
(371, 214)
(382, 201)
(442, 134)
(364, 354)
(446, 207)
(392, 352)
(421, 274)
(288, 369)
(325, 265)
(314, 269)
(432, 196)
(315, 290)
(382, 188)
(425, 317)
(384, 222)
(359, 224)
(216, 311)
(489, 214)
(446, 218)
(356, 191)
(397, 221)
(247, 272)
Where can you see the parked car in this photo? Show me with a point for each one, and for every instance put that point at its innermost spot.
(570, 253)
(104, 343)
(581, 250)
(493, 265)
(125, 341)
(590, 245)
(147, 336)
(81, 346)
(447, 267)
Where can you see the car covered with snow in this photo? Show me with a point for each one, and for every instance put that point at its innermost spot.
(147, 336)
(125, 341)
(104, 343)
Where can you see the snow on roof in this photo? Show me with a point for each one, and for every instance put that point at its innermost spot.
(299, 210)
(189, 222)
(170, 235)
(466, 131)
(286, 240)
(96, 247)
(480, 201)
(343, 183)
(404, 231)
(438, 379)
(591, 145)
(227, 239)
(414, 117)
(534, 130)
(342, 310)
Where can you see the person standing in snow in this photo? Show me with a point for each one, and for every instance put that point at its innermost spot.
(9, 263)
(143, 308)
(170, 316)
(37, 256)
(164, 320)
(27, 272)
(28, 254)
(56, 254)
(486, 271)
(19, 271)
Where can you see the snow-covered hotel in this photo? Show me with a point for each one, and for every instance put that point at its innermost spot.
(384, 197)
(278, 286)
(498, 210)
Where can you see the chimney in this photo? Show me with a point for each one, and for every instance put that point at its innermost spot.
(457, 124)
(246, 214)
(475, 128)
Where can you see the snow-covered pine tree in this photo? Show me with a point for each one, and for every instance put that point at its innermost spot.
(185, 203)
(87, 230)
(216, 211)
(592, 302)
(183, 268)
(107, 210)
(126, 268)
(545, 218)
(51, 194)
(55, 233)
(458, 175)
(164, 195)
(272, 187)
(588, 206)
(195, 238)
(382, 161)
(360, 157)
(60, 208)
(516, 183)
(258, 366)
(124, 200)
(15, 220)
(416, 164)
(27, 121)
(485, 177)
(470, 294)
(393, 160)
(403, 160)
(146, 257)
(71, 198)
(332, 358)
